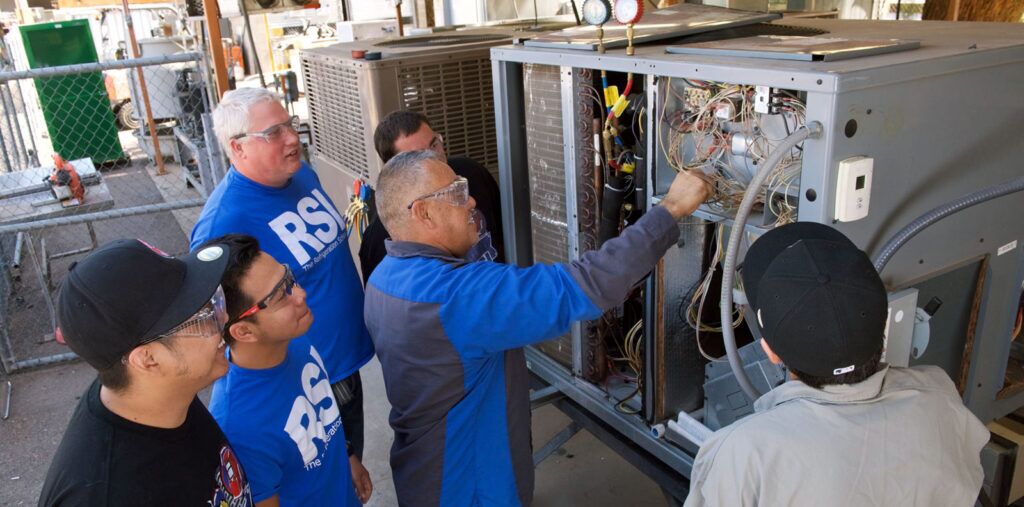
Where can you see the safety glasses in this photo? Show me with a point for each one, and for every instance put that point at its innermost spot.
(273, 132)
(209, 320)
(282, 289)
(456, 194)
(437, 143)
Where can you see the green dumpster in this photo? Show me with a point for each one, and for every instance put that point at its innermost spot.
(76, 107)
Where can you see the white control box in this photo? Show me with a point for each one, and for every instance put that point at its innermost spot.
(762, 94)
(853, 188)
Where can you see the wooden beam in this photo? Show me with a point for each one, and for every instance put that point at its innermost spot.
(1009, 11)
(398, 15)
(220, 68)
(425, 13)
(141, 76)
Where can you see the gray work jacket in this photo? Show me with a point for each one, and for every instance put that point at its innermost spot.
(448, 335)
(902, 437)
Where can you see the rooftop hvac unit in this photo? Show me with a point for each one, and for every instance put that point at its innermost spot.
(881, 103)
(445, 76)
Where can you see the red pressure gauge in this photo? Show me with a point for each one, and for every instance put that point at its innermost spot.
(628, 12)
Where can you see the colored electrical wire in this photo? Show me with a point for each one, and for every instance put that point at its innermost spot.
(358, 212)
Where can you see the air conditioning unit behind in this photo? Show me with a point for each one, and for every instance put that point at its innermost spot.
(446, 76)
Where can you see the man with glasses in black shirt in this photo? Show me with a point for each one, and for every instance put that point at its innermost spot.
(151, 326)
(403, 131)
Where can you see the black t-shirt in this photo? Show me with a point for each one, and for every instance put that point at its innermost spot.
(105, 459)
(482, 188)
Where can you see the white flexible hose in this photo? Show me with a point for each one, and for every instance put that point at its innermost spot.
(811, 130)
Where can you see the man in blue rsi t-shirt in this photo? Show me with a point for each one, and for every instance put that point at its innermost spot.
(275, 404)
(272, 195)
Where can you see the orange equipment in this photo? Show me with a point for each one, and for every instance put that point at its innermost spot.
(65, 183)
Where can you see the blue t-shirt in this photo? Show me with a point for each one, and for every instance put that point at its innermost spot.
(299, 227)
(286, 429)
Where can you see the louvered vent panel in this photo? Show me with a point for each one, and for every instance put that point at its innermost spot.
(550, 235)
(457, 97)
(335, 113)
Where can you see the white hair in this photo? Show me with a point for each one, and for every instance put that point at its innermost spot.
(231, 117)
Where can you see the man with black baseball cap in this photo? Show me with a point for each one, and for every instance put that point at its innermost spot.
(846, 429)
(151, 326)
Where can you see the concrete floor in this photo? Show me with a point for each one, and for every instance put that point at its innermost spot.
(582, 473)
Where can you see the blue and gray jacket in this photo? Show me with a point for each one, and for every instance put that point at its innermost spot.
(448, 334)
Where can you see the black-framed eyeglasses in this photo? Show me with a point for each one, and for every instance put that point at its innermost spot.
(282, 289)
(273, 132)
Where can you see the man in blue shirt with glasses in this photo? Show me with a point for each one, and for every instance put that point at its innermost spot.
(272, 195)
(275, 403)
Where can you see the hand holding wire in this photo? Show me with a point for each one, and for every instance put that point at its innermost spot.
(688, 191)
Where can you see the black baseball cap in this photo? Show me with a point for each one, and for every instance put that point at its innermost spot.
(817, 297)
(127, 292)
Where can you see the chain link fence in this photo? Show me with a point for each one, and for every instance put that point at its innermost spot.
(79, 168)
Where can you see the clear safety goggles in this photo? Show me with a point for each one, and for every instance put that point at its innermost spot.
(437, 143)
(209, 320)
(274, 132)
(456, 194)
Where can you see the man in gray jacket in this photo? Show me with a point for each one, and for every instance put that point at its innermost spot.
(442, 325)
(846, 429)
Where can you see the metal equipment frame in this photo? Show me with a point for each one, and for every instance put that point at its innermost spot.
(898, 108)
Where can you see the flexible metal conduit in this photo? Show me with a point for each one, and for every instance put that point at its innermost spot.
(926, 220)
(811, 130)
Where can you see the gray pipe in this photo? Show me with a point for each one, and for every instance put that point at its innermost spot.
(82, 68)
(13, 127)
(811, 130)
(99, 215)
(39, 362)
(926, 220)
(18, 242)
(33, 156)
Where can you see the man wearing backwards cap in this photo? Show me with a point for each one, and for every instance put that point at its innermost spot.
(151, 326)
(846, 429)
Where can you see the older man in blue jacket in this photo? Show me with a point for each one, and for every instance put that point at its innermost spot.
(442, 325)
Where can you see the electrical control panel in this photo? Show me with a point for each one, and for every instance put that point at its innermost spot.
(588, 142)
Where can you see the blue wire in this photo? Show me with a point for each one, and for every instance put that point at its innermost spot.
(604, 86)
